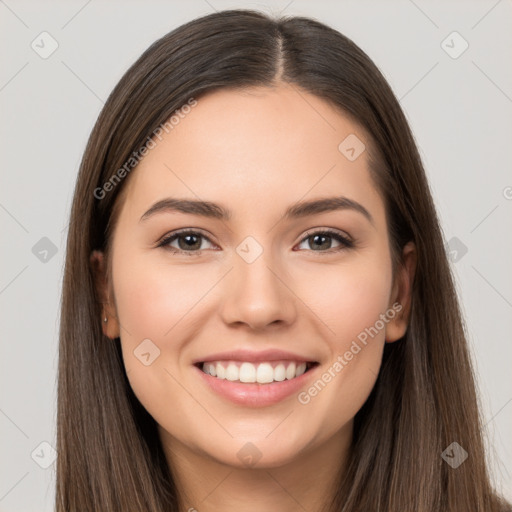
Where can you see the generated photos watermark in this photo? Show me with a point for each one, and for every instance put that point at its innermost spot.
(137, 156)
(342, 361)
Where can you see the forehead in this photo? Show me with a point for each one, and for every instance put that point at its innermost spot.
(253, 147)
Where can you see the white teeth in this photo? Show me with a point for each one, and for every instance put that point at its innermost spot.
(279, 372)
(290, 371)
(232, 372)
(210, 369)
(300, 369)
(247, 372)
(263, 373)
(221, 372)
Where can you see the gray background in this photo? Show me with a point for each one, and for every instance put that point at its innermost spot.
(459, 109)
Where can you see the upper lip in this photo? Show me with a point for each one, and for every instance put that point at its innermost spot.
(254, 356)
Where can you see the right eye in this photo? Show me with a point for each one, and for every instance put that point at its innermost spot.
(189, 242)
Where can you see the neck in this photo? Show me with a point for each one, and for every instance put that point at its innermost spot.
(307, 482)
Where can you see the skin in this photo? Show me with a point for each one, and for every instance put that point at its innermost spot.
(255, 152)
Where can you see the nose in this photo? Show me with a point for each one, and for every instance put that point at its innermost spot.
(258, 295)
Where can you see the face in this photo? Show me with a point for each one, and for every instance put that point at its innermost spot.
(302, 303)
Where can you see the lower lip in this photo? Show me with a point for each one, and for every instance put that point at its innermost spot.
(253, 394)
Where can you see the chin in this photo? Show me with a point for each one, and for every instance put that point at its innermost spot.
(258, 453)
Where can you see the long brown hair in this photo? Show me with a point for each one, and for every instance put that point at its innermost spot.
(109, 454)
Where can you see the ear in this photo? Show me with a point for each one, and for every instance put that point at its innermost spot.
(103, 293)
(402, 294)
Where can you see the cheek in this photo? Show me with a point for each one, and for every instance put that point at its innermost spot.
(152, 304)
(151, 299)
(363, 299)
(349, 298)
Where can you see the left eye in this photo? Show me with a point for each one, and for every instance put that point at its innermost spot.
(324, 238)
(190, 242)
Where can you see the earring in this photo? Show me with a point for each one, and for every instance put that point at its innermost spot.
(105, 319)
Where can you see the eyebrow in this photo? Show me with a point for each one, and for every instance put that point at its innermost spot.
(216, 211)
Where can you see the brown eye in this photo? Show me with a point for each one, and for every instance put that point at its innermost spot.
(189, 242)
(321, 241)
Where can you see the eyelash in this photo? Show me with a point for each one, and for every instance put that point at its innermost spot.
(345, 242)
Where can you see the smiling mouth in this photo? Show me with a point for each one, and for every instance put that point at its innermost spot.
(265, 372)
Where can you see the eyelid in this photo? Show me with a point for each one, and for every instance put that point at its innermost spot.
(330, 231)
(342, 237)
(170, 237)
(182, 231)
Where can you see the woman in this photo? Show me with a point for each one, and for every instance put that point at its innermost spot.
(210, 358)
